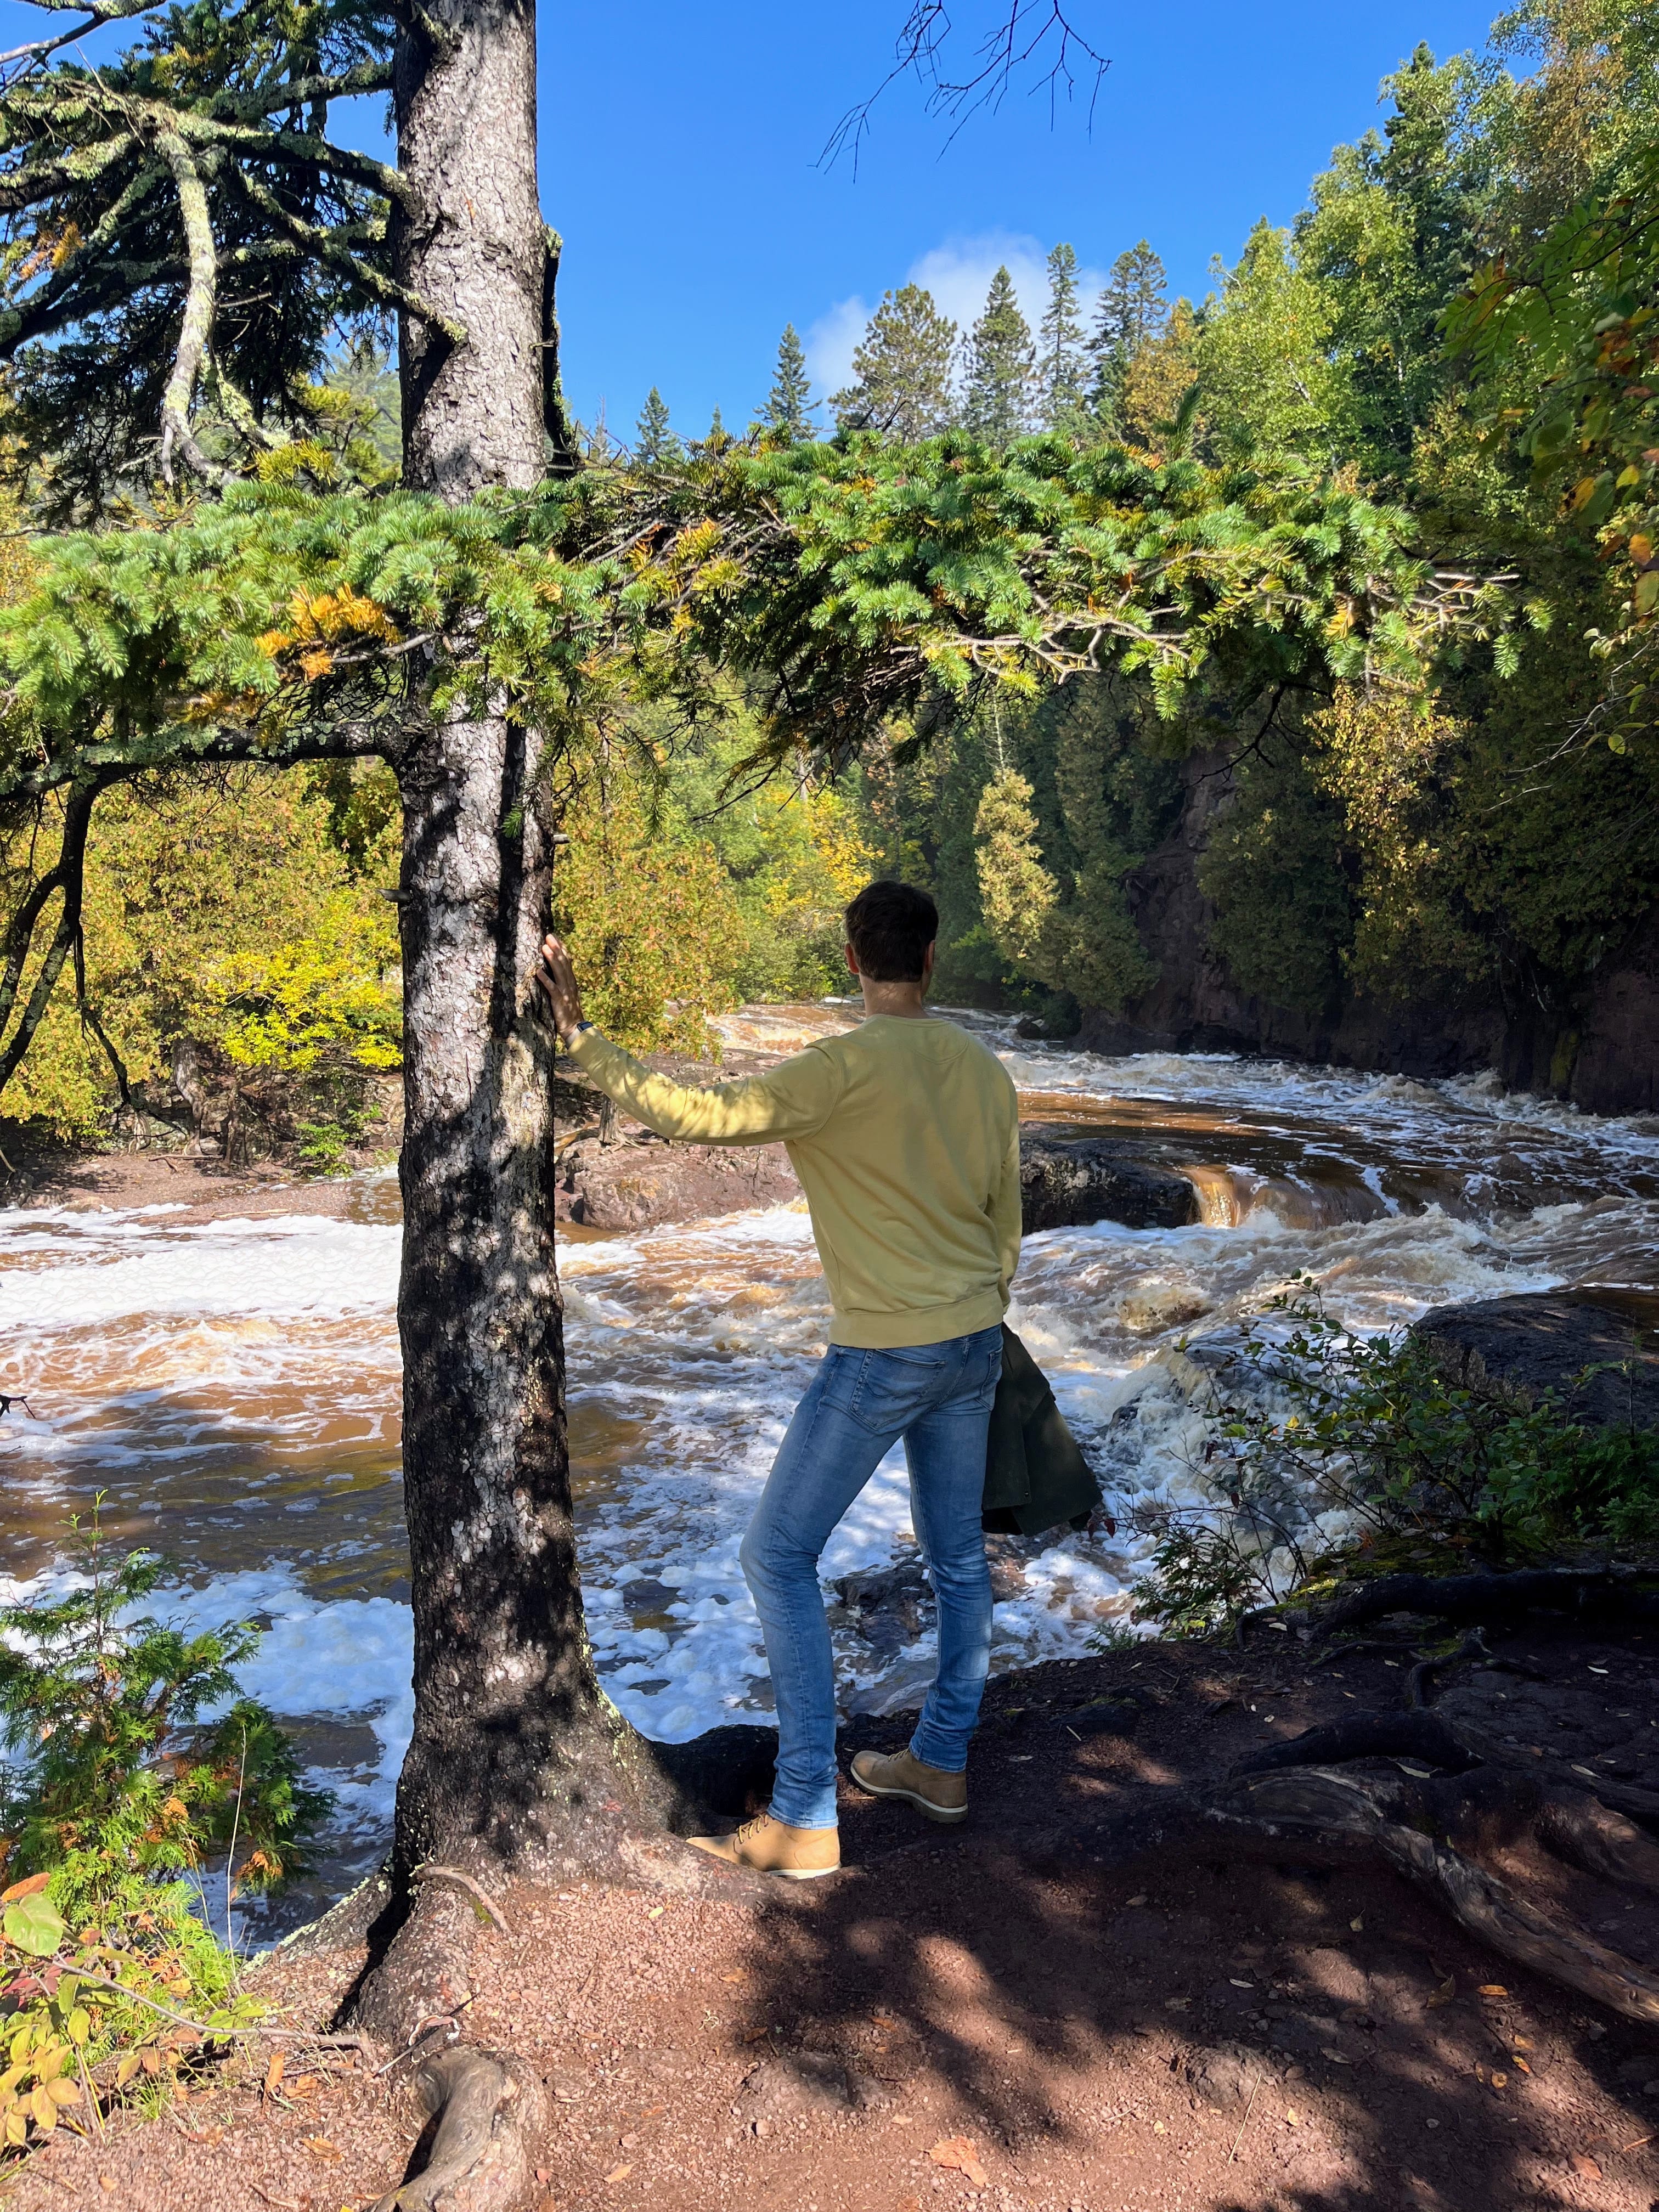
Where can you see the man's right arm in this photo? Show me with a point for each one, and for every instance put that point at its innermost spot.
(794, 1099)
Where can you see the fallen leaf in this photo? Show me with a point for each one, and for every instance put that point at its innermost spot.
(274, 2075)
(883, 2019)
(1292, 2119)
(1520, 2042)
(1336, 2058)
(303, 2086)
(1584, 2164)
(653, 2111)
(1158, 2128)
(1176, 2004)
(656, 1912)
(1137, 1900)
(1237, 1984)
(1357, 1926)
(1637, 2145)
(618, 2174)
(742, 1975)
(323, 2147)
(1500, 2081)
(759, 2035)
(1493, 1990)
(1522, 2064)
(956, 2153)
(1443, 1995)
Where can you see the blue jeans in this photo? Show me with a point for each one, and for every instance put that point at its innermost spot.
(937, 1397)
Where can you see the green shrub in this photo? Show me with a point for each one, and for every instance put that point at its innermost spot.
(1416, 1469)
(117, 1796)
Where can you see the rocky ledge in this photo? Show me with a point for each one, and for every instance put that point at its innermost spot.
(1597, 1348)
(638, 1180)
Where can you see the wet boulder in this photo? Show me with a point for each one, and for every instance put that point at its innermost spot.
(1068, 1183)
(641, 1181)
(1517, 1348)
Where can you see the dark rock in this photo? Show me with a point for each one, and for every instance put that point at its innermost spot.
(887, 1604)
(1106, 1718)
(1517, 1348)
(648, 1595)
(1229, 2075)
(795, 2084)
(1066, 1184)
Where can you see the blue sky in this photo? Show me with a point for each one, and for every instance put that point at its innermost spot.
(680, 167)
(680, 151)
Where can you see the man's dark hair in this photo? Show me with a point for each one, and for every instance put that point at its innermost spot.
(889, 928)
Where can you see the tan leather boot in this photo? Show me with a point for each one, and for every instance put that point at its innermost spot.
(770, 1846)
(936, 1795)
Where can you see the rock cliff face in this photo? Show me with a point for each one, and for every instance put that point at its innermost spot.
(1601, 1052)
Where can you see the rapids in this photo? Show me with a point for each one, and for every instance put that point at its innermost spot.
(231, 1387)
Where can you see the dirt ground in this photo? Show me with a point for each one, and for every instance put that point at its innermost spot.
(991, 2015)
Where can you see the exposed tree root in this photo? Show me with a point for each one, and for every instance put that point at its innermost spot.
(1489, 1597)
(488, 2114)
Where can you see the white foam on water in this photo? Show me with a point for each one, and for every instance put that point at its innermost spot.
(257, 1361)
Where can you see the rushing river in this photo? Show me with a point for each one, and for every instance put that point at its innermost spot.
(232, 1386)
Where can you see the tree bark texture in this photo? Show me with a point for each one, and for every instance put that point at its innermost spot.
(501, 1659)
(476, 247)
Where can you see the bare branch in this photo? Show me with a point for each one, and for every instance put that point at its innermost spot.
(1028, 29)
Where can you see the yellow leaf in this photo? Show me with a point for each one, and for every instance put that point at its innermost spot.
(127, 2068)
(274, 2075)
(1443, 1995)
(1641, 548)
(42, 2111)
(79, 2025)
(1499, 2081)
(64, 2090)
(1583, 492)
(1493, 1990)
(17, 2126)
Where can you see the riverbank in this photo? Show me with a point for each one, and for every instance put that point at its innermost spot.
(999, 2014)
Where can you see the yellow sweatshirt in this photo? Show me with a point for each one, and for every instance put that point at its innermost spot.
(905, 1135)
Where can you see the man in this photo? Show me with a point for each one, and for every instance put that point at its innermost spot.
(905, 1135)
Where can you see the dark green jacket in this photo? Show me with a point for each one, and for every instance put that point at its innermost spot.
(1035, 1475)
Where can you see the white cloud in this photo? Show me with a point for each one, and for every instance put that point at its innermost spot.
(830, 343)
(958, 274)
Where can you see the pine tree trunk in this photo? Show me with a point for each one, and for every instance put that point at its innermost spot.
(515, 1753)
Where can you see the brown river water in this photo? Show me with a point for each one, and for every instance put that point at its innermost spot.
(232, 1386)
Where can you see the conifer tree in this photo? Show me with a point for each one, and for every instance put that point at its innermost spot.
(997, 395)
(1061, 358)
(788, 407)
(1131, 312)
(654, 439)
(902, 370)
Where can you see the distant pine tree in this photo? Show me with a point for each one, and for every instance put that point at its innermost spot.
(1131, 313)
(788, 408)
(997, 387)
(653, 440)
(902, 370)
(717, 432)
(1062, 362)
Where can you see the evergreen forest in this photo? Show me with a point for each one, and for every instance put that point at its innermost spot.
(1454, 332)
